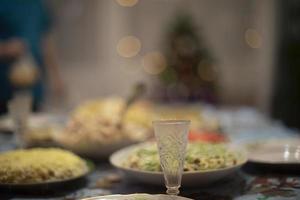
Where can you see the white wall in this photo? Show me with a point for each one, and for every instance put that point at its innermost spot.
(87, 33)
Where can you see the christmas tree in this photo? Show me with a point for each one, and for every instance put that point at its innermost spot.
(190, 74)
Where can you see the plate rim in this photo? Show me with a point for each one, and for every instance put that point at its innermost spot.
(42, 183)
(282, 143)
(122, 195)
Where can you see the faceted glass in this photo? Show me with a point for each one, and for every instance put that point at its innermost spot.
(172, 137)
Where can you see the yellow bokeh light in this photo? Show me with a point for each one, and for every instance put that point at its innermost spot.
(253, 38)
(127, 3)
(129, 46)
(154, 63)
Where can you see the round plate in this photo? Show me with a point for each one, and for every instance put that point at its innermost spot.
(275, 152)
(201, 178)
(35, 119)
(138, 196)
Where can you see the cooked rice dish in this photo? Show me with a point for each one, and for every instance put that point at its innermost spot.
(97, 122)
(40, 165)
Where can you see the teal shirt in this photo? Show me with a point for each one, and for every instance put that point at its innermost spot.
(27, 20)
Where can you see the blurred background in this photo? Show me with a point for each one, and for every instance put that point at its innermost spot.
(223, 53)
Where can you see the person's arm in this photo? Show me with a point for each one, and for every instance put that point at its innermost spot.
(51, 64)
(2, 50)
(11, 48)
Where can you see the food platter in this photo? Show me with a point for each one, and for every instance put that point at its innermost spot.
(138, 197)
(95, 130)
(195, 178)
(41, 169)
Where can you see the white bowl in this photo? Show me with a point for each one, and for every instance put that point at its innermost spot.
(95, 150)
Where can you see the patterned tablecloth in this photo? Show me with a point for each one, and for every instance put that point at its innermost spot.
(250, 183)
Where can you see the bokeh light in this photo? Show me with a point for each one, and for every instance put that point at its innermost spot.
(127, 3)
(154, 63)
(253, 38)
(129, 46)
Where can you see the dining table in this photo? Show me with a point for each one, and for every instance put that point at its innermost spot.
(251, 182)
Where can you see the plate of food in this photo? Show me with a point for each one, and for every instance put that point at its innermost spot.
(275, 151)
(193, 112)
(138, 197)
(94, 129)
(40, 169)
(205, 163)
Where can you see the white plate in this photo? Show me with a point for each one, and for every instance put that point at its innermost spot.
(275, 151)
(138, 196)
(36, 119)
(201, 178)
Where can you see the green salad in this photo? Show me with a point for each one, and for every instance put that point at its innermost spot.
(199, 157)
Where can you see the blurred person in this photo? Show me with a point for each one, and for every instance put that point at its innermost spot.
(25, 30)
(286, 90)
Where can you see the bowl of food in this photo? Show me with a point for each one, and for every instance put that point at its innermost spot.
(205, 163)
(194, 112)
(95, 129)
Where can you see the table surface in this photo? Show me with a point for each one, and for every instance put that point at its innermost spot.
(250, 182)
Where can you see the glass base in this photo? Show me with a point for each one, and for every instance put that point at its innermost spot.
(172, 190)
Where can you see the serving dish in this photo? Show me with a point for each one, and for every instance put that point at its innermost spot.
(41, 169)
(192, 178)
(95, 128)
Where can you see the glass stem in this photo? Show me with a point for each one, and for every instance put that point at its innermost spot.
(173, 190)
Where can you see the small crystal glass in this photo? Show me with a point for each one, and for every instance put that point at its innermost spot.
(171, 137)
(19, 109)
